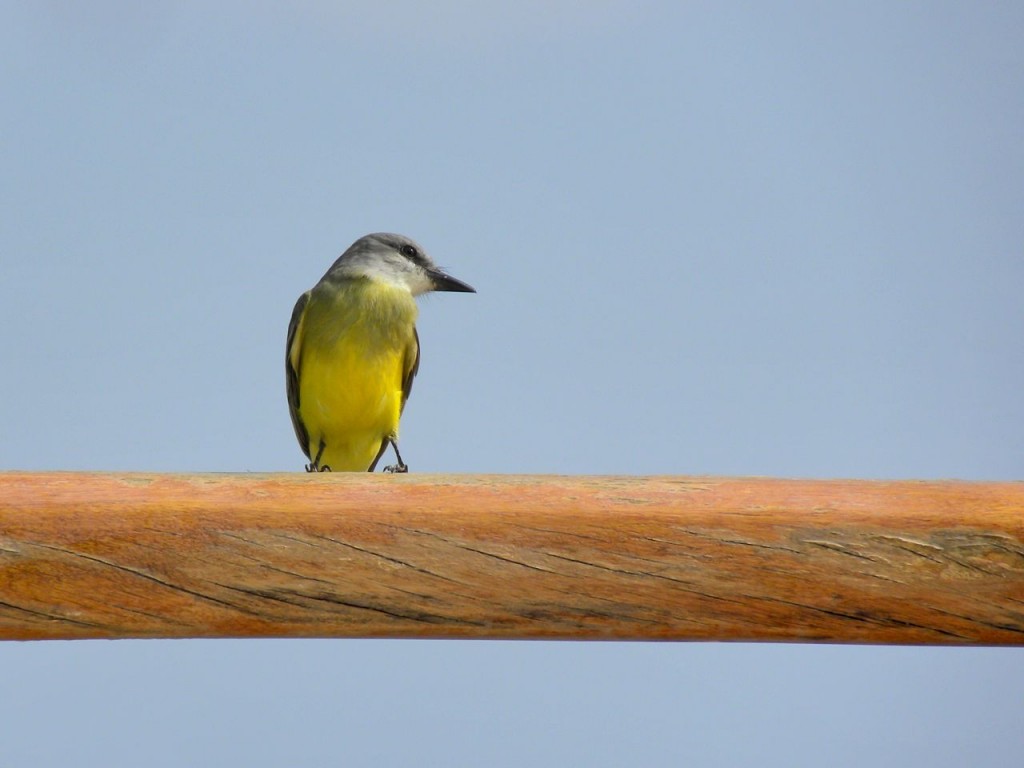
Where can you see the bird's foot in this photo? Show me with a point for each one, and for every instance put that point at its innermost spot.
(396, 469)
(312, 467)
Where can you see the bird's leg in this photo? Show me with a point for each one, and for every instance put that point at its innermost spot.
(314, 466)
(400, 467)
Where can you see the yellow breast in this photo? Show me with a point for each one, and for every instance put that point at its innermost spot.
(355, 352)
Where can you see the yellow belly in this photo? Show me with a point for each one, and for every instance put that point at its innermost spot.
(354, 360)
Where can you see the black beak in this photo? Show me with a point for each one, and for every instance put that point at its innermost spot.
(443, 282)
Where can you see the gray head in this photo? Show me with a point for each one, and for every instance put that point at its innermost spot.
(394, 259)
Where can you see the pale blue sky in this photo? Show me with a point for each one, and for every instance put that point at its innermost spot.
(726, 238)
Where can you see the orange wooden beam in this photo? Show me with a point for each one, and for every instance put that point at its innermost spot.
(640, 558)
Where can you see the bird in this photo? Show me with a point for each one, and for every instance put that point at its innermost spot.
(353, 351)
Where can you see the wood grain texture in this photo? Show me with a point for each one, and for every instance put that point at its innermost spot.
(87, 555)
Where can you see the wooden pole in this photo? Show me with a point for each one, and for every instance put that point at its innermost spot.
(86, 555)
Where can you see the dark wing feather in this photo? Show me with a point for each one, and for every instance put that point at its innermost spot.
(292, 363)
(411, 370)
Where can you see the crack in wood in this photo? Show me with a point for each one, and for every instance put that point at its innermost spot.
(143, 575)
(859, 617)
(684, 586)
(982, 622)
(385, 558)
(37, 614)
(419, 616)
(843, 550)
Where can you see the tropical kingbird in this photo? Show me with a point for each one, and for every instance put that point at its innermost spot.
(353, 352)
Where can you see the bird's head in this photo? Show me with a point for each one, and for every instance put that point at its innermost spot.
(397, 260)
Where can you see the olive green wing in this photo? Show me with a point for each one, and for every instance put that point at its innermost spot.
(292, 366)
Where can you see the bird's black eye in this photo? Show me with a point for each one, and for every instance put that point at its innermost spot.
(410, 252)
